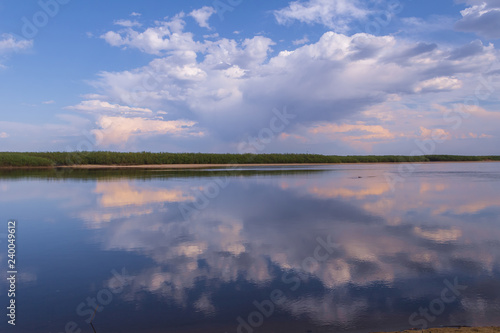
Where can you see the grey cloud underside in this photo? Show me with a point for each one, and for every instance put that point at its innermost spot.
(493, 73)
(473, 48)
(488, 3)
(487, 25)
(484, 22)
(403, 57)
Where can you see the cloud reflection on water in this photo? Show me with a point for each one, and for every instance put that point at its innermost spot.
(258, 228)
(392, 249)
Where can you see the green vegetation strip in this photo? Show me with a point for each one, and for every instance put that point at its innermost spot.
(54, 159)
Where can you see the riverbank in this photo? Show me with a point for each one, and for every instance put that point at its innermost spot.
(103, 159)
(456, 330)
(204, 166)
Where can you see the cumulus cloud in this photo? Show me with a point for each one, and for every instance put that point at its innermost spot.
(326, 80)
(438, 84)
(301, 41)
(479, 112)
(97, 106)
(115, 130)
(469, 50)
(436, 133)
(352, 133)
(333, 14)
(119, 124)
(482, 18)
(164, 36)
(360, 135)
(9, 43)
(127, 23)
(202, 16)
(386, 127)
(228, 87)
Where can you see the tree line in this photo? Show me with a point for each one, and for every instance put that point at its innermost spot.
(54, 159)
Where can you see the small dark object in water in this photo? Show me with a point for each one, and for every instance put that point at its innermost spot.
(92, 319)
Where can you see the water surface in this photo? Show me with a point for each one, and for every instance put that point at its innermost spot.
(296, 249)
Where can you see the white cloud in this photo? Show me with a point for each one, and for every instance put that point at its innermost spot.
(358, 135)
(127, 23)
(8, 43)
(228, 87)
(482, 18)
(97, 106)
(119, 130)
(135, 14)
(164, 36)
(48, 102)
(333, 14)
(438, 84)
(332, 78)
(4, 135)
(202, 16)
(214, 35)
(476, 111)
(436, 133)
(356, 131)
(301, 41)
(93, 96)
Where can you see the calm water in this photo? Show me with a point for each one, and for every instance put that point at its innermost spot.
(260, 250)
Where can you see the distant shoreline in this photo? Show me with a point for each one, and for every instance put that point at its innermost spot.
(458, 329)
(206, 166)
(114, 160)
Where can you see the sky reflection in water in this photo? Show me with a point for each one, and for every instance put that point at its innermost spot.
(390, 250)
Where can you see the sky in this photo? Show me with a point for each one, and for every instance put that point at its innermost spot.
(341, 77)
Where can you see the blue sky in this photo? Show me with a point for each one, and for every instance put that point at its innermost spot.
(354, 77)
